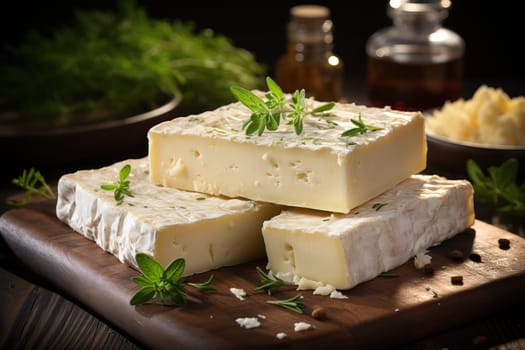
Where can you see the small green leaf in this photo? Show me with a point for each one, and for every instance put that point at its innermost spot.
(298, 126)
(274, 88)
(174, 270)
(124, 172)
(351, 132)
(254, 124)
(249, 99)
(142, 296)
(272, 121)
(149, 267)
(323, 108)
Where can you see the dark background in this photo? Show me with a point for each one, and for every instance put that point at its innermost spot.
(493, 31)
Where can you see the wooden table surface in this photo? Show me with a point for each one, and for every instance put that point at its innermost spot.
(38, 314)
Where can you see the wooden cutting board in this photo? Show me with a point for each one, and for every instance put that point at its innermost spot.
(380, 313)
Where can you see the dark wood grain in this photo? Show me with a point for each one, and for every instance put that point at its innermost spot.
(36, 318)
(81, 269)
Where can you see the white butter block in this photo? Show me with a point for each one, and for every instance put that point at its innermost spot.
(166, 223)
(319, 169)
(345, 250)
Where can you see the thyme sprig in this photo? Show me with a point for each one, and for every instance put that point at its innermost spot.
(294, 303)
(361, 128)
(121, 188)
(268, 283)
(34, 183)
(268, 114)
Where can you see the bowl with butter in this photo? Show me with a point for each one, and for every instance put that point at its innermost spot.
(488, 128)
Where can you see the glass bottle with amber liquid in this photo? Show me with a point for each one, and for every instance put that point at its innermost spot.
(309, 62)
(416, 64)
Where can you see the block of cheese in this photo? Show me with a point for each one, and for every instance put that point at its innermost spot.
(318, 169)
(344, 250)
(166, 223)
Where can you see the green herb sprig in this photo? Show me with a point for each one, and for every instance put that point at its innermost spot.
(166, 286)
(34, 183)
(268, 114)
(361, 128)
(294, 303)
(157, 283)
(499, 187)
(268, 283)
(378, 206)
(121, 188)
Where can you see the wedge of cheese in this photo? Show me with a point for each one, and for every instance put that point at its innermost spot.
(165, 223)
(345, 250)
(319, 169)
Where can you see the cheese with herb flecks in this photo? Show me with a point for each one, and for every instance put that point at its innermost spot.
(318, 169)
(166, 223)
(344, 250)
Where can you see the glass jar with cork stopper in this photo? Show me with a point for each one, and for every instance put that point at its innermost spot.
(309, 62)
(416, 64)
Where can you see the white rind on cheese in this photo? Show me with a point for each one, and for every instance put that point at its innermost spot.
(166, 223)
(345, 250)
(319, 169)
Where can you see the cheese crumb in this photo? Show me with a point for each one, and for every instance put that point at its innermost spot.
(238, 292)
(324, 289)
(301, 326)
(248, 322)
(337, 295)
(422, 259)
(281, 335)
(287, 277)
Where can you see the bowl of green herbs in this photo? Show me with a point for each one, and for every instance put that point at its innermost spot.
(89, 91)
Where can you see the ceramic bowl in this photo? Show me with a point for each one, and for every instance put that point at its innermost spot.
(79, 147)
(449, 157)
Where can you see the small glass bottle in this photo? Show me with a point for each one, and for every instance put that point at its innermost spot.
(309, 62)
(416, 64)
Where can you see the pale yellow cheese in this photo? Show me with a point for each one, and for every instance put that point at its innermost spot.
(166, 223)
(490, 117)
(345, 250)
(319, 169)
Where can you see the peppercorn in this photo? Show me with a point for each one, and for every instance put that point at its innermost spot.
(475, 257)
(319, 313)
(456, 280)
(504, 243)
